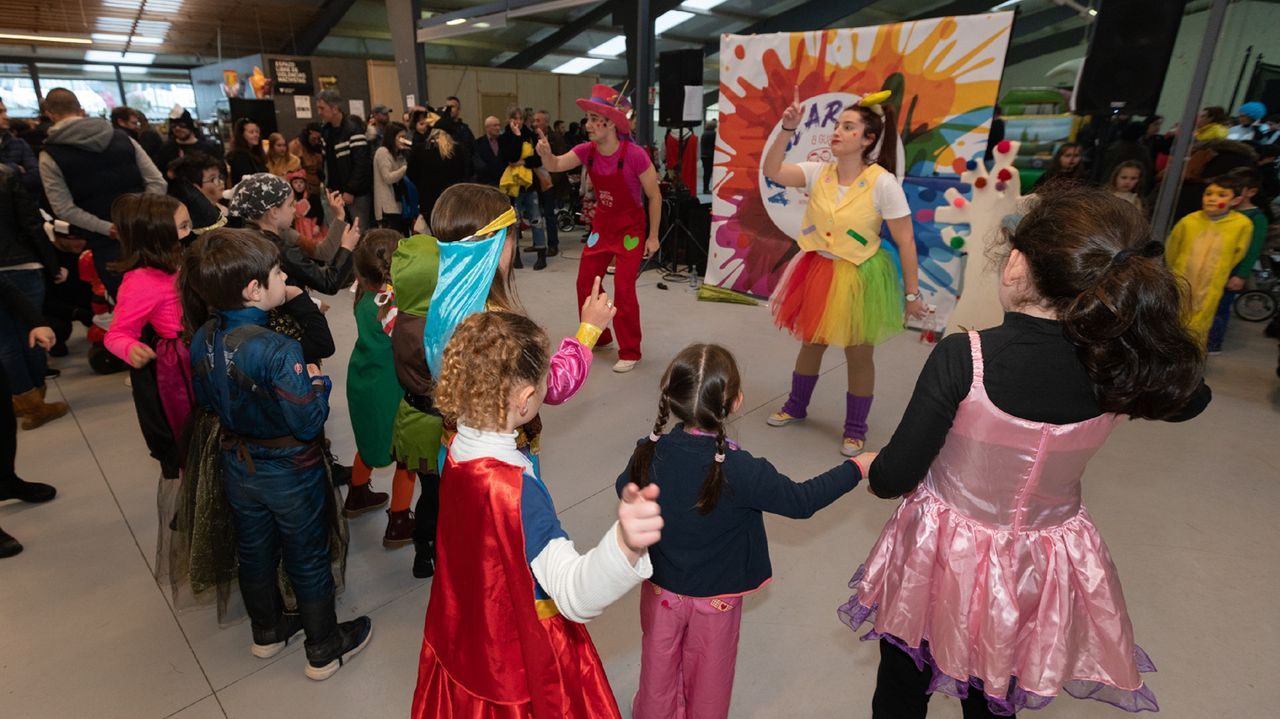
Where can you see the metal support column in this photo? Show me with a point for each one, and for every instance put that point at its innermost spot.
(411, 61)
(644, 73)
(1161, 218)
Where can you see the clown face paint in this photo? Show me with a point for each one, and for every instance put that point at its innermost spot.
(1218, 201)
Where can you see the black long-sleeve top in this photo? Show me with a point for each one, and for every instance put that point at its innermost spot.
(1030, 371)
(725, 551)
(304, 272)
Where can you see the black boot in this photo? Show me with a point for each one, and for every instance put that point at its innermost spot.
(541, 262)
(330, 644)
(8, 545)
(340, 473)
(33, 492)
(272, 626)
(518, 263)
(424, 528)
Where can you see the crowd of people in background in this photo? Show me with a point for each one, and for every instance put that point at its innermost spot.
(1231, 158)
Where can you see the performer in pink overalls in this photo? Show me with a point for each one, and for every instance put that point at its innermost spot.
(623, 177)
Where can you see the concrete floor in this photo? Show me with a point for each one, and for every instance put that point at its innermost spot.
(1188, 511)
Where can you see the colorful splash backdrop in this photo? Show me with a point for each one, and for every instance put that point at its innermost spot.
(945, 74)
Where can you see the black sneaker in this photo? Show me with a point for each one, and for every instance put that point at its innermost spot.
(51, 373)
(553, 251)
(348, 640)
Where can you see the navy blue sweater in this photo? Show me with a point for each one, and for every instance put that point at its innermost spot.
(725, 551)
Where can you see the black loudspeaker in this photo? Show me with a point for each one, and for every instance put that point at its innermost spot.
(261, 112)
(1127, 60)
(676, 70)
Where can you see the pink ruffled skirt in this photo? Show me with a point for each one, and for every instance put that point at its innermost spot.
(1020, 616)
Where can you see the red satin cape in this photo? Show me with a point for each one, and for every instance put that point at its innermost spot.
(485, 652)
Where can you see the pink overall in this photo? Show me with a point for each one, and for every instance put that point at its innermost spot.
(689, 654)
(992, 569)
(618, 230)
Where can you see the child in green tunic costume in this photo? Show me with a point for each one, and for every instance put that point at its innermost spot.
(416, 437)
(373, 391)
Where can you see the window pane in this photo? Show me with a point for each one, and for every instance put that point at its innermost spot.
(155, 99)
(18, 91)
(94, 85)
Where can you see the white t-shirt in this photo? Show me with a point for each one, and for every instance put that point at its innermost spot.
(887, 195)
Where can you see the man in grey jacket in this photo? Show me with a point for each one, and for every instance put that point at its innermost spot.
(85, 164)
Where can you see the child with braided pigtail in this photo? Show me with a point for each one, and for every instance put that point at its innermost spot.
(713, 549)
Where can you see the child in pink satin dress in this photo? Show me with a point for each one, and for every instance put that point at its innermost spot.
(152, 229)
(990, 582)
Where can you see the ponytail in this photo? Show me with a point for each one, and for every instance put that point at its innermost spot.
(884, 128)
(713, 485)
(1118, 303)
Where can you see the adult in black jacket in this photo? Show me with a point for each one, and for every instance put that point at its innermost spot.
(511, 144)
(246, 156)
(27, 316)
(17, 154)
(486, 153)
(85, 164)
(185, 138)
(348, 160)
(436, 162)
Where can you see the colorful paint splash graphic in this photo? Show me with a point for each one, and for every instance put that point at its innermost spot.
(944, 73)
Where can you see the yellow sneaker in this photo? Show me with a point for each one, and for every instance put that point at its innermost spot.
(782, 419)
(852, 447)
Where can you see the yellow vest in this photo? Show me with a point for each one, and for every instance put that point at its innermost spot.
(848, 228)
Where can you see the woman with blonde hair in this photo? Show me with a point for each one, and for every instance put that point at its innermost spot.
(280, 162)
(435, 162)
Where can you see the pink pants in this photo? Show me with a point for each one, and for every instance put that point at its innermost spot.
(689, 654)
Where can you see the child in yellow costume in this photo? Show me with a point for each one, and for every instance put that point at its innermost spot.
(1204, 247)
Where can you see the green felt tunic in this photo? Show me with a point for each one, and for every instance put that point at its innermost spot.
(373, 392)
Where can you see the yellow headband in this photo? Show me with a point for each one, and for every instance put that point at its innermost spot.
(872, 102)
(506, 219)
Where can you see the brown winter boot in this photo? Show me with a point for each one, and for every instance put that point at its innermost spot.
(399, 529)
(361, 499)
(35, 411)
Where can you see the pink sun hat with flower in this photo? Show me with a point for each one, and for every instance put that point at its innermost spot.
(611, 105)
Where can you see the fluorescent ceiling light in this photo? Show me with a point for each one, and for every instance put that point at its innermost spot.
(612, 47)
(134, 58)
(99, 68)
(45, 38)
(670, 19)
(109, 38)
(133, 69)
(470, 26)
(703, 5)
(457, 21)
(577, 66)
(1005, 4)
(541, 7)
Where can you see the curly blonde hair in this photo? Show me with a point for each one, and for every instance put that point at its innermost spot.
(490, 355)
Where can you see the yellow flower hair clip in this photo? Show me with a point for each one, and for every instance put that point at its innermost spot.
(874, 100)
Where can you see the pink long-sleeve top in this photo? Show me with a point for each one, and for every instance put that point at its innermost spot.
(146, 296)
(570, 366)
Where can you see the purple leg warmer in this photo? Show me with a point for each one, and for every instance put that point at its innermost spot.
(801, 390)
(856, 410)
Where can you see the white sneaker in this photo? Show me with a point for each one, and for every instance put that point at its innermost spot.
(625, 365)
